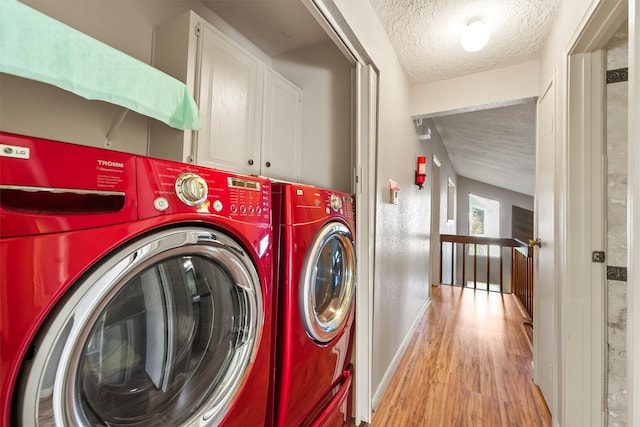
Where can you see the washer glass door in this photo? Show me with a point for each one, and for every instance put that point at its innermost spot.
(328, 282)
(162, 334)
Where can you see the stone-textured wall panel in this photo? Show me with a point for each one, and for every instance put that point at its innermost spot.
(617, 54)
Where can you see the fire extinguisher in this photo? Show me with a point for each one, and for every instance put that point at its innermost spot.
(421, 171)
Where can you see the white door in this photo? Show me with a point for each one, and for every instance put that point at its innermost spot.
(544, 265)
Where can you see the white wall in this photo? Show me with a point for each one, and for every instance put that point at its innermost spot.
(447, 172)
(496, 87)
(435, 147)
(41, 110)
(324, 74)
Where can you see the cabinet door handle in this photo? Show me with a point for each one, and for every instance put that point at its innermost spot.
(250, 162)
(268, 164)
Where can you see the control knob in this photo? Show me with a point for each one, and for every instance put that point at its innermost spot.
(191, 189)
(335, 202)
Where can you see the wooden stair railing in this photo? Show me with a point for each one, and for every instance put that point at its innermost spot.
(524, 274)
(522, 277)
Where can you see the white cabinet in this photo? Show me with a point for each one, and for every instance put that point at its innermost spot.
(251, 116)
(281, 128)
(229, 94)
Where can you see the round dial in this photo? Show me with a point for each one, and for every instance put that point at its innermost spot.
(191, 189)
(335, 202)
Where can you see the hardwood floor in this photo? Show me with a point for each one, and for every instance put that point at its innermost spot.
(469, 364)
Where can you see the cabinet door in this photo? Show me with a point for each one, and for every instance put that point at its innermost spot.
(230, 97)
(282, 124)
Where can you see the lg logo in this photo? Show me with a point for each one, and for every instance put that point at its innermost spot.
(15, 152)
(19, 152)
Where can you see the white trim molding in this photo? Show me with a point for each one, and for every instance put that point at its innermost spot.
(388, 375)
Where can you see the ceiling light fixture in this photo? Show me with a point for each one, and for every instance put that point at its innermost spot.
(475, 35)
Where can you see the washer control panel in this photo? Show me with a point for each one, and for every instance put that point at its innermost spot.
(166, 187)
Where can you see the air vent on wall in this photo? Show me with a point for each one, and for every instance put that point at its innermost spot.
(423, 131)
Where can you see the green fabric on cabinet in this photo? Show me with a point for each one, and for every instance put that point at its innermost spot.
(37, 47)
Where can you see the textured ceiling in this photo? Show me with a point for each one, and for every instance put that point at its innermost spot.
(426, 34)
(495, 146)
(275, 26)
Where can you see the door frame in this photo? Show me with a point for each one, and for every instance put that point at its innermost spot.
(366, 137)
(584, 315)
(633, 215)
(436, 200)
(582, 338)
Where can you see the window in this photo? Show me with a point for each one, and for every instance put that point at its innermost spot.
(484, 221)
(451, 200)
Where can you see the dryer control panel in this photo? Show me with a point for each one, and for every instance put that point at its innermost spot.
(304, 203)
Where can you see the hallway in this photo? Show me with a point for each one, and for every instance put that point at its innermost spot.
(469, 364)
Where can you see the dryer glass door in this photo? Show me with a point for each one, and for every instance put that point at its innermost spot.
(161, 335)
(328, 282)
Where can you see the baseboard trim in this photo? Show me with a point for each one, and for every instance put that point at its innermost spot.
(377, 397)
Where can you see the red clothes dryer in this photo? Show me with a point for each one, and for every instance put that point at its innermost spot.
(315, 313)
(134, 291)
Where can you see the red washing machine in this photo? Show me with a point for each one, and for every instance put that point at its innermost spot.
(316, 293)
(134, 291)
